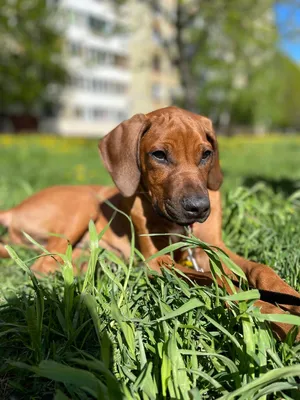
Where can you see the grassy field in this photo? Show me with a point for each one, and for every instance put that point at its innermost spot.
(113, 335)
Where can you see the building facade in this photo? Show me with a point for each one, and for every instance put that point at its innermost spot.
(116, 68)
(155, 80)
(96, 98)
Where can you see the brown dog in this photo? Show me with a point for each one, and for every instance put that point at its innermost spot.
(165, 165)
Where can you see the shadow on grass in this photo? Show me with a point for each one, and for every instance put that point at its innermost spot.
(283, 185)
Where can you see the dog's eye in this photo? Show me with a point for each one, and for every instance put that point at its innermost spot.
(206, 155)
(159, 155)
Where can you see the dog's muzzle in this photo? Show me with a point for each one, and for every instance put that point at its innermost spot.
(188, 210)
(195, 208)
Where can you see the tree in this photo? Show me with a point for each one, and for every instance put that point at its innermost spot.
(215, 42)
(273, 97)
(31, 67)
(288, 100)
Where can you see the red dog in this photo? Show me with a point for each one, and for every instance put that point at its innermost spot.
(165, 165)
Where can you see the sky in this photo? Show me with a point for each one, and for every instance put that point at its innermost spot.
(288, 20)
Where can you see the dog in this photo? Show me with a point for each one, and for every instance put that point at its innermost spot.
(165, 165)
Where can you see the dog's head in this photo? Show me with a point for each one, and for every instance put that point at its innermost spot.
(173, 155)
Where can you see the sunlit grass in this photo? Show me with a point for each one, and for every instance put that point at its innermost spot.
(124, 335)
(119, 334)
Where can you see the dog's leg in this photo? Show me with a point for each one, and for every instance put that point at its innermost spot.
(72, 234)
(5, 220)
(50, 264)
(280, 329)
(205, 279)
(263, 277)
(258, 275)
(3, 252)
(201, 278)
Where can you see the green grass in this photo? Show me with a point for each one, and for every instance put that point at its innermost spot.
(117, 333)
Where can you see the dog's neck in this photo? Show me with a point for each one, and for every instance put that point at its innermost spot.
(154, 223)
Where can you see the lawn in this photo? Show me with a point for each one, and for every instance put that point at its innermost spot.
(114, 335)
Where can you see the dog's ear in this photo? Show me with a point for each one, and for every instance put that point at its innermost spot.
(215, 176)
(119, 150)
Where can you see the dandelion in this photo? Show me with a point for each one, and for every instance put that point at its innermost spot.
(49, 142)
(7, 140)
(80, 172)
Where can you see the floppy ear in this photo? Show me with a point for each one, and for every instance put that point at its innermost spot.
(215, 176)
(119, 150)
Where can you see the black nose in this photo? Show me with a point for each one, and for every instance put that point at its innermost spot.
(196, 206)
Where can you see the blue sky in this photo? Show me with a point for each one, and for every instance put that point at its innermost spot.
(288, 19)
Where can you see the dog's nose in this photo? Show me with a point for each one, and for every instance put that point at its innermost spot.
(195, 205)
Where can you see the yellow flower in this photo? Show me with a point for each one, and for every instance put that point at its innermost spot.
(6, 140)
(80, 172)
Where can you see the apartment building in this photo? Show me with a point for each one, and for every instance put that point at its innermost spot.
(97, 96)
(116, 68)
(155, 80)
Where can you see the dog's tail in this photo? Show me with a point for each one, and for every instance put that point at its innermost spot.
(5, 218)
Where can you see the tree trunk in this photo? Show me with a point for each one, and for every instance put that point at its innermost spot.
(189, 98)
(188, 85)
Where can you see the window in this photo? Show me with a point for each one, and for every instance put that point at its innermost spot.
(78, 112)
(92, 56)
(98, 113)
(75, 49)
(97, 25)
(121, 115)
(75, 81)
(98, 85)
(100, 57)
(109, 59)
(88, 84)
(94, 85)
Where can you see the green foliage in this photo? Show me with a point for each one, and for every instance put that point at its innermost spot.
(216, 47)
(135, 338)
(288, 100)
(227, 59)
(31, 67)
(119, 334)
(263, 226)
(240, 41)
(271, 97)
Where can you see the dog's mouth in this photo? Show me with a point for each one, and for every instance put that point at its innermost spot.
(178, 217)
